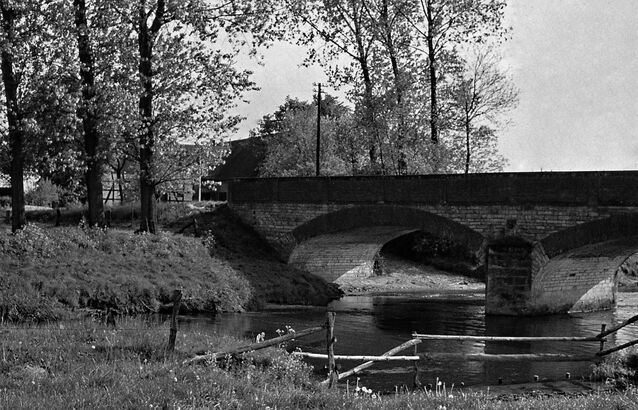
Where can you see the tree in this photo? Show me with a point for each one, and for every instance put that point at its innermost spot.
(87, 112)
(11, 80)
(290, 135)
(387, 20)
(187, 85)
(442, 24)
(333, 28)
(482, 94)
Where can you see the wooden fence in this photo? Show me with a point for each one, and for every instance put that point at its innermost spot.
(417, 338)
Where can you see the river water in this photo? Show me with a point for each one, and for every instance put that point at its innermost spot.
(372, 325)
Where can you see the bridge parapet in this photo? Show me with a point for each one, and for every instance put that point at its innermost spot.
(602, 189)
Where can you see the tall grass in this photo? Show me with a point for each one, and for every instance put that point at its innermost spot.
(85, 364)
(45, 270)
(619, 369)
(48, 270)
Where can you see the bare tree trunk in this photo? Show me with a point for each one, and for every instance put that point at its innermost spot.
(89, 121)
(434, 109)
(146, 37)
(368, 93)
(467, 145)
(118, 174)
(14, 118)
(402, 164)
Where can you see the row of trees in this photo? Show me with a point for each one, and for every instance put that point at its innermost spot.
(95, 83)
(92, 84)
(423, 78)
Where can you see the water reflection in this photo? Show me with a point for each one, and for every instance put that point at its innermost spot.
(373, 325)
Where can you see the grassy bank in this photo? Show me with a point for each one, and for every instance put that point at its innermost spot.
(84, 364)
(48, 271)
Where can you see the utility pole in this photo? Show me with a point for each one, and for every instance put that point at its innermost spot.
(199, 171)
(317, 167)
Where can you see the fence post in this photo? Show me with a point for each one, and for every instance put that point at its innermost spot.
(333, 377)
(602, 340)
(177, 297)
(416, 382)
(195, 226)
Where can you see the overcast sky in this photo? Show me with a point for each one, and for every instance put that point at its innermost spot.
(575, 63)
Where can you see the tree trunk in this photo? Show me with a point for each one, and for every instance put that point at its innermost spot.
(467, 145)
(368, 93)
(93, 174)
(14, 118)
(119, 174)
(434, 109)
(148, 184)
(402, 165)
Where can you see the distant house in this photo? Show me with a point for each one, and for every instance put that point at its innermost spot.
(120, 181)
(243, 161)
(5, 191)
(5, 197)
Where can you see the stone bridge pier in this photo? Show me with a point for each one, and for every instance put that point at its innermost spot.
(549, 242)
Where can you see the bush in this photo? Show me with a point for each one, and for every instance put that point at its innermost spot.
(619, 369)
(44, 194)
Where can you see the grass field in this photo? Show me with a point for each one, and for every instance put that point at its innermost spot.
(86, 364)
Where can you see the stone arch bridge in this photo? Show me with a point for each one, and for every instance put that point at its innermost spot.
(550, 242)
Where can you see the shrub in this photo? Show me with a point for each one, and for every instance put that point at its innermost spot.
(44, 194)
(619, 369)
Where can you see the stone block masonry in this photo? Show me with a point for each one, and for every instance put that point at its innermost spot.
(528, 227)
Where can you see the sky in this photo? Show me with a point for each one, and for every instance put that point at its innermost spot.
(575, 63)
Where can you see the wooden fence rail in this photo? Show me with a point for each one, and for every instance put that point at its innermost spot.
(506, 338)
(469, 357)
(618, 327)
(254, 346)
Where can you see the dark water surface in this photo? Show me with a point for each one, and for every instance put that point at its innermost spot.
(372, 325)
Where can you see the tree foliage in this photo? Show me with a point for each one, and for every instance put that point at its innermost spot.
(117, 82)
(402, 61)
(290, 136)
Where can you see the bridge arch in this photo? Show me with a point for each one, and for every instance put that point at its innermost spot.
(343, 244)
(576, 269)
(614, 227)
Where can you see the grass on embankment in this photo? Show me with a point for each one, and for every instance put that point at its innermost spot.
(240, 247)
(84, 364)
(47, 270)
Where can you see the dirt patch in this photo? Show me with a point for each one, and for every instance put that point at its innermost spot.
(399, 275)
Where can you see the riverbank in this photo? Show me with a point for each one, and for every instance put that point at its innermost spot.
(51, 272)
(401, 276)
(87, 364)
